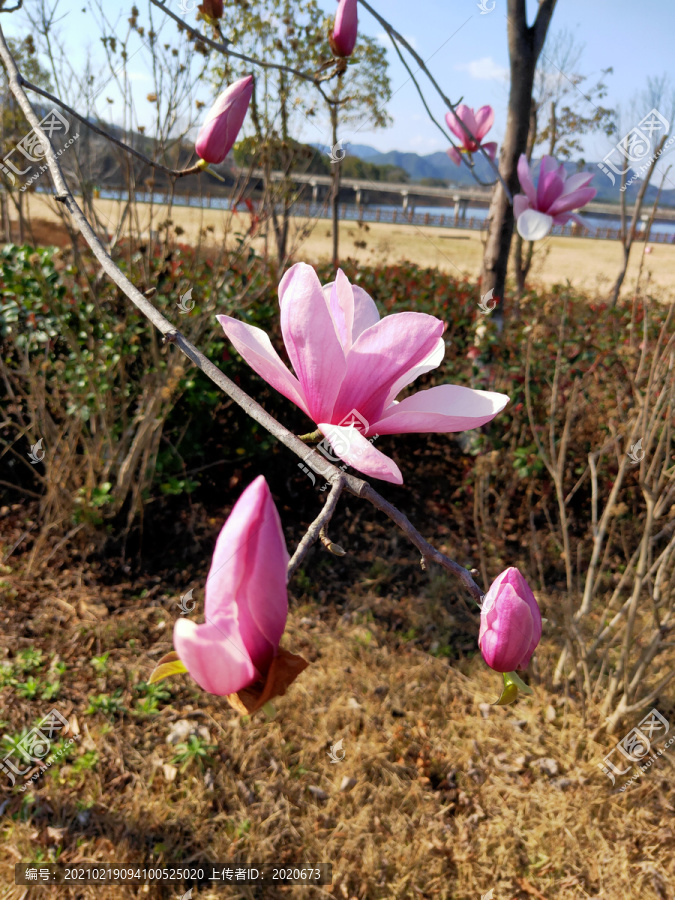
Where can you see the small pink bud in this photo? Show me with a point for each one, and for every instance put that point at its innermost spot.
(345, 29)
(223, 123)
(510, 623)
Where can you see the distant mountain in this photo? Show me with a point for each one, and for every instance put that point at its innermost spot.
(363, 151)
(439, 165)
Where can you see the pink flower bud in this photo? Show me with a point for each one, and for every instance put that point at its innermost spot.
(345, 28)
(223, 123)
(510, 623)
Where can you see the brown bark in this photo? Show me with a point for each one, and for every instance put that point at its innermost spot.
(335, 187)
(525, 44)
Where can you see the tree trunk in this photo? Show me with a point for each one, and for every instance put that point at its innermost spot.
(522, 268)
(629, 236)
(335, 187)
(525, 44)
(281, 229)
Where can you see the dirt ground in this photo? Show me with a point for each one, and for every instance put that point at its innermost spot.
(590, 265)
(435, 793)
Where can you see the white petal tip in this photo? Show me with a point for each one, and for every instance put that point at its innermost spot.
(533, 225)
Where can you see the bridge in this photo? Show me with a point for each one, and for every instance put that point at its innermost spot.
(459, 197)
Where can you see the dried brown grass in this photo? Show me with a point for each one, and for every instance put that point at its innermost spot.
(449, 801)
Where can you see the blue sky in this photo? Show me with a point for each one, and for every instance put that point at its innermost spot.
(467, 53)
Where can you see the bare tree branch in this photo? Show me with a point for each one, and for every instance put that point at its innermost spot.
(224, 49)
(174, 173)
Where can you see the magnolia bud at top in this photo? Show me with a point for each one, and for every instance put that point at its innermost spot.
(345, 29)
(223, 123)
(510, 623)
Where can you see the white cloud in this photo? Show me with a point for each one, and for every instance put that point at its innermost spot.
(485, 69)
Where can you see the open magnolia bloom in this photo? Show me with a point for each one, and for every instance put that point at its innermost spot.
(552, 201)
(351, 365)
(235, 653)
(478, 123)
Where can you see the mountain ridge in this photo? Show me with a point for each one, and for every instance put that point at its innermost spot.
(438, 165)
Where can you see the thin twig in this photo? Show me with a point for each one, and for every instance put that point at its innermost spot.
(394, 35)
(175, 173)
(314, 530)
(225, 50)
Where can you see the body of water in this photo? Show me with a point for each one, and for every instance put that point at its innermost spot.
(661, 232)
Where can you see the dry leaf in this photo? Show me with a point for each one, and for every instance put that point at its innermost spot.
(168, 665)
(283, 671)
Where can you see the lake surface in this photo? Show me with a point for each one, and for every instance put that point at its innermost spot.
(386, 212)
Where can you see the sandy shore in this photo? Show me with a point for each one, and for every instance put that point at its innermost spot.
(591, 265)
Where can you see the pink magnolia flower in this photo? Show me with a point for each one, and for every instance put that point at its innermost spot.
(246, 602)
(552, 201)
(345, 29)
(224, 121)
(351, 365)
(478, 124)
(510, 623)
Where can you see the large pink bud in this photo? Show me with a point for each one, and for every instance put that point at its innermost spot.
(345, 29)
(510, 623)
(223, 123)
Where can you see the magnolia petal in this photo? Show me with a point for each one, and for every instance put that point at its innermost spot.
(574, 200)
(223, 123)
(215, 655)
(441, 409)
(454, 155)
(549, 188)
(507, 628)
(352, 447)
(454, 124)
(345, 29)
(247, 578)
(365, 311)
(341, 305)
(380, 356)
(433, 360)
(525, 178)
(577, 181)
(255, 348)
(533, 225)
(491, 149)
(484, 120)
(520, 204)
(311, 340)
